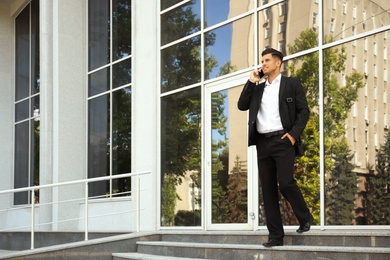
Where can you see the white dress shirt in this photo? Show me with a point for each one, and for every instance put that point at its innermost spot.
(268, 117)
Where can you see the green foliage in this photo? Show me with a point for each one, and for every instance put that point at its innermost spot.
(181, 153)
(338, 101)
(188, 218)
(237, 200)
(341, 188)
(168, 193)
(378, 187)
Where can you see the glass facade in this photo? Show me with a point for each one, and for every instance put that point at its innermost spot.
(338, 49)
(27, 105)
(109, 95)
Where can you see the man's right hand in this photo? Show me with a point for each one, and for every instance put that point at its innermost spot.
(254, 76)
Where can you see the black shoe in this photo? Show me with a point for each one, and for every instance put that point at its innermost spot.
(304, 228)
(273, 242)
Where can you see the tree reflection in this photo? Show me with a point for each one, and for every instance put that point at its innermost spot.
(180, 146)
(338, 100)
(181, 113)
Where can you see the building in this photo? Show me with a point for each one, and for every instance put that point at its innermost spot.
(100, 88)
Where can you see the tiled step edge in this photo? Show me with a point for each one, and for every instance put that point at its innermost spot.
(140, 256)
(343, 249)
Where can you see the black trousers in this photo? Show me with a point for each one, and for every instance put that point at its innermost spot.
(275, 158)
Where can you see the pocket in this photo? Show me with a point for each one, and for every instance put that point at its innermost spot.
(287, 141)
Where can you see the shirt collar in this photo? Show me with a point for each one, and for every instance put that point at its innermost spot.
(276, 80)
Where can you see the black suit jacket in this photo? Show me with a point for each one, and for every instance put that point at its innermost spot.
(293, 108)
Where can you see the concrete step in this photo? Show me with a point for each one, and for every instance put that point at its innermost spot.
(139, 256)
(377, 238)
(255, 251)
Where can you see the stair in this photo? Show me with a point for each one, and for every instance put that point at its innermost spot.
(316, 244)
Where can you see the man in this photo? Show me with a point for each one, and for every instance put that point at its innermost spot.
(278, 113)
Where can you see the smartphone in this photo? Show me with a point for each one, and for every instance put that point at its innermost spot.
(261, 73)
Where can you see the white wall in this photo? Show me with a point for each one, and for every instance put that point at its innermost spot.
(146, 107)
(6, 103)
(63, 150)
(63, 107)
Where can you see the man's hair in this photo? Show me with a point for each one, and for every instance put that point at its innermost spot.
(275, 53)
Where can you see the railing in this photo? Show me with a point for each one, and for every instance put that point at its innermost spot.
(33, 189)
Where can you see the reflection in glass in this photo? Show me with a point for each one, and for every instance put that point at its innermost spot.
(121, 31)
(35, 68)
(229, 158)
(356, 134)
(307, 167)
(121, 73)
(98, 33)
(99, 82)
(27, 74)
(229, 48)
(181, 159)
(21, 110)
(168, 3)
(339, 96)
(180, 65)
(222, 10)
(181, 21)
(35, 112)
(22, 53)
(21, 165)
(344, 19)
(121, 138)
(34, 154)
(98, 143)
(281, 24)
(263, 2)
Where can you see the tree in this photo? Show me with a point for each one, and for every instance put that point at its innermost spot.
(237, 199)
(338, 101)
(378, 192)
(181, 112)
(341, 188)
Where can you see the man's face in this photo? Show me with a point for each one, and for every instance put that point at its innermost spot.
(269, 64)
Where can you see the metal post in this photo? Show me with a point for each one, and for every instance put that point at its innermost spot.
(86, 211)
(32, 217)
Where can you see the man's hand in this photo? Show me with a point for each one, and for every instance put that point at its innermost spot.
(254, 76)
(292, 139)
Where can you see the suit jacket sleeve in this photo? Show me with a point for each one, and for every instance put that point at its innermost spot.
(245, 98)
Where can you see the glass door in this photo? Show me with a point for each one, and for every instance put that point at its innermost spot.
(229, 182)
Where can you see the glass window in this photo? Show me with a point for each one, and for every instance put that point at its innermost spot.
(308, 166)
(22, 51)
(287, 28)
(181, 65)
(373, 15)
(228, 48)
(264, 2)
(181, 159)
(362, 183)
(121, 73)
(229, 187)
(180, 22)
(99, 143)
(27, 113)
(109, 95)
(121, 138)
(121, 29)
(99, 81)
(98, 33)
(168, 3)
(217, 11)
